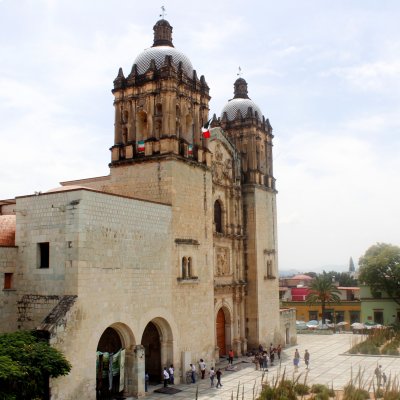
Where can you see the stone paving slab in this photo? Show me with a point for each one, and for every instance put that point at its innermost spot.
(328, 365)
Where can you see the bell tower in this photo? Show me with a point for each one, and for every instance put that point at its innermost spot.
(251, 134)
(160, 106)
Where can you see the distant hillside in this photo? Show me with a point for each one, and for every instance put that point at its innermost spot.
(289, 272)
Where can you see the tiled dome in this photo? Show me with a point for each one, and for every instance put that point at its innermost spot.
(232, 107)
(158, 53)
(240, 101)
(7, 230)
(162, 46)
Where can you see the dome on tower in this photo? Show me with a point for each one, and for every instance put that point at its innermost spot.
(240, 102)
(161, 48)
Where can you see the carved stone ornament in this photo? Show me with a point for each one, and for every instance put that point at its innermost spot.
(221, 169)
(223, 262)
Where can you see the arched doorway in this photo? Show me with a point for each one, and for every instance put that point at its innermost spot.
(220, 328)
(109, 365)
(151, 341)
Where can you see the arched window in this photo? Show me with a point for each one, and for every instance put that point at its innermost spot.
(159, 110)
(178, 121)
(184, 268)
(142, 126)
(188, 129)
(189, 267)
(218, 216)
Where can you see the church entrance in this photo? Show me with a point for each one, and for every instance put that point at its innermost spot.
(152, 345)
(221, 340)
(110, 361)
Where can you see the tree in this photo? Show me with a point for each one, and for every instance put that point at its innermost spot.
(26, 364)
(322, 290)
(343, 278)
(379, 268)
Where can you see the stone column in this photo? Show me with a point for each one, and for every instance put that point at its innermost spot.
(138, 371)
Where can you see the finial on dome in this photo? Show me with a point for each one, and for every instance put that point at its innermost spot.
(162, 31)
(240, 91)
(163, 13)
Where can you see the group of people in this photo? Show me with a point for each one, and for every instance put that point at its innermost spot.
(168, 375)
(380, 376)
(213, 374)
(266, 356)
(296, 359)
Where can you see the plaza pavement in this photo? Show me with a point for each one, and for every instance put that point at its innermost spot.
(328, 365)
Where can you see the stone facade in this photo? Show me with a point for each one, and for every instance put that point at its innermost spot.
(172, 257)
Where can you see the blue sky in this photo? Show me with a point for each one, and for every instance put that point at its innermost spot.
(325, 73)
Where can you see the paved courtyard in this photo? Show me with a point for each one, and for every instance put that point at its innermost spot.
(328, 365)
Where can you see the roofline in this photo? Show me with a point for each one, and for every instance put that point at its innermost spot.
(94, 191)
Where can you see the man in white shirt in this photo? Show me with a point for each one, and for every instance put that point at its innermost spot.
(202, 366)
(193, 372)
(166, 377)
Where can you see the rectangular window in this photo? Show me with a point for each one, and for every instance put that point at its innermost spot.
(44, 254)
(8, 280)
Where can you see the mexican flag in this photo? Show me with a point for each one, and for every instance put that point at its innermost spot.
(140, 146)
(205, 130)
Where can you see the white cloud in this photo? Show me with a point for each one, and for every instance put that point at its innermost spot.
(375, 76)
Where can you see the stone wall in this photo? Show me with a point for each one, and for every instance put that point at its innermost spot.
(8, 297)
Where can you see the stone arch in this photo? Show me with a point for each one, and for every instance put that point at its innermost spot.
(157, 340)
(142, 125)
(178, 131)
(117, 341)
(158, 119)
(218, 216)
(187, 133)
(223, 328)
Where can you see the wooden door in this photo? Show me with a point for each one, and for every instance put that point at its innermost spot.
(221, 332)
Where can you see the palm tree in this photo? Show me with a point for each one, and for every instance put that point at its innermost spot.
(322, 290)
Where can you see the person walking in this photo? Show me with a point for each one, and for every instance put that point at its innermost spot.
(265, 361)
(166, 377)
(192, 373)
(212, 376)
(171, 374)
(278, 351)
(384, 378)
(202, 366)
(219, 375)
(296, 360)
(230, 356)
(272, 356)
(307, 358)
(378, 374)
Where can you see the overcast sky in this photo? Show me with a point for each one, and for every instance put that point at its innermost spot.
(325, 73)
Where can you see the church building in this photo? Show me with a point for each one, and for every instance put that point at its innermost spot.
(170, 258)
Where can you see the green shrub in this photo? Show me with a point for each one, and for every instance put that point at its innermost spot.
(321, 396)
(301, 389)
(284, 390)
(391, 395)
(318, 388)
(353, 393)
